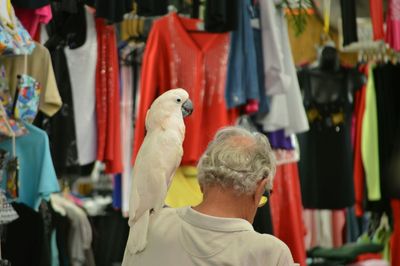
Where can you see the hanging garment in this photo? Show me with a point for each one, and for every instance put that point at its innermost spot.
(37, 178)
(14, 39)
(222, 15)
(7, 212)
(32, 18)
(395, 240)
(112, 11)
(376, 11)
(175, 57)
(369, 141)
(388, 111)
(107, 98)
(393, 24)
(263, 105)
(242, 77)
(127, 118)
(286, 108)
(286, 211)
(358, 170)
(24, 236)
(326, 169)
(27, 102)
(82, 68)
(349, 21)
(39, 66)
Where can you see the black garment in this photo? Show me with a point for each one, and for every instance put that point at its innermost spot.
(221, 15)
(326, 169)
(113, 11)
(387, 96)
(61, 127)
(149, 8)
(263, 220)
(110, 234)
(45, 213)
(349, 22)
(30, 4)
(62, 226)
(23, 238)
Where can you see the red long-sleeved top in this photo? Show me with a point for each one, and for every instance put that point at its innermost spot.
(178, 56)
(376, 8)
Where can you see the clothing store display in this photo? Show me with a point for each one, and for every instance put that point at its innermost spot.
(39, 66)
(370, 141)
(190, 237)
(32, 18)
(61, 127)
(82, 68)
(80, 235)
(328, 143)
(223, 15)
(37, 178)
(286, 109)
(177, 57)
(242, 77)
(349, 23)
(286, 210)
(23, 236)
(392, 36)
(107, 98)
(376, 10)
(263, 220)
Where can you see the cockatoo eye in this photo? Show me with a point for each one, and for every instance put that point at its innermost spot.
(178, 100)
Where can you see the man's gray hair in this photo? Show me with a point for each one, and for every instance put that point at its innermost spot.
(237, 158)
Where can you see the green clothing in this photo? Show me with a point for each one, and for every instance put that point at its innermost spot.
(369, 141)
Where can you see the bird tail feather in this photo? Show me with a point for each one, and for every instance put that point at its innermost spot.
(137, 239)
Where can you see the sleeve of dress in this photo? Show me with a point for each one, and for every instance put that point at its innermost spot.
(376, 9)
(152, 75)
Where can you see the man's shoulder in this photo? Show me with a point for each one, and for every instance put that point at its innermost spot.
(265, 243)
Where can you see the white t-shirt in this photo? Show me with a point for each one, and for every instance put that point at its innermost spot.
(186, 237)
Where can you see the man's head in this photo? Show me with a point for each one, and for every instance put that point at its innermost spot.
(239, 162)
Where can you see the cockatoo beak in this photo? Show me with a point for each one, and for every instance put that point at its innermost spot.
(187, 108)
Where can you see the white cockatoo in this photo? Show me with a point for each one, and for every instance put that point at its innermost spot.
(156, 162)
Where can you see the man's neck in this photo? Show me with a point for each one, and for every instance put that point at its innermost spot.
(222, 203)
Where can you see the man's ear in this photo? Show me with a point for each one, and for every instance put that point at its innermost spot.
(260, 189)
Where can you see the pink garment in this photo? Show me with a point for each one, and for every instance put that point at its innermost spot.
(373, 262)
(393, 25)
(338, 222)
(31, 18)
(287, 209)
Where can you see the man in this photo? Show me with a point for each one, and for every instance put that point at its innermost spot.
(234, 172)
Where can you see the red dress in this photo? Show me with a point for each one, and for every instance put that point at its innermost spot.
(358, 168)
(196, 61)
(108, 99)
(287, 211)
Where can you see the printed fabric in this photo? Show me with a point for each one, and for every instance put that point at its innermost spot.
(14, 39)
(27, 103)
